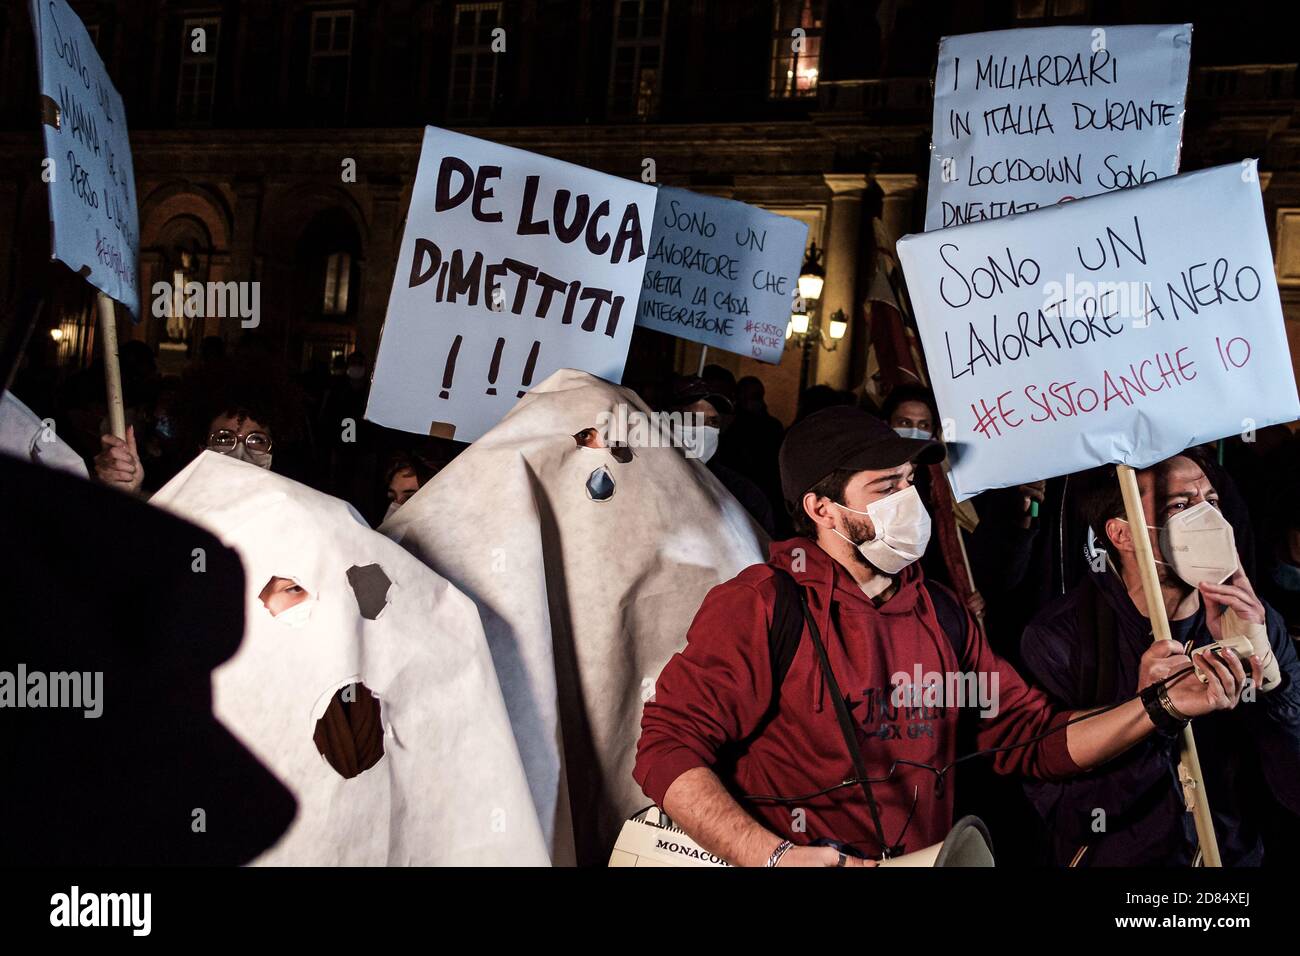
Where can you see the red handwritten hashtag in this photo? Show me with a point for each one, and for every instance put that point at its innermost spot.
(986, 420)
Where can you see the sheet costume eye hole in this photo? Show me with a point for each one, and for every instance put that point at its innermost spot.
(281, 594)
(589, 438)
(600, 485)
(622, 452)
(370, 587)
(349, 734)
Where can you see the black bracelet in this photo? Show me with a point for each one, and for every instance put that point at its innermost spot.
(1165, 722)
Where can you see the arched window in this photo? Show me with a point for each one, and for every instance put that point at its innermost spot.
(328, 285)
(184, 252)
(338, 281)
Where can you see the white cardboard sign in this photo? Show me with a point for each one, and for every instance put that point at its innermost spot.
(512, 266)
(94, 223)
(722, 273)
(1033, 117)
(1123, 328)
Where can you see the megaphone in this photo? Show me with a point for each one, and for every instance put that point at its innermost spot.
(967, 844)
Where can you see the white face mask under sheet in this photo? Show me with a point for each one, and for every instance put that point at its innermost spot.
(450, 773)
(570, 553)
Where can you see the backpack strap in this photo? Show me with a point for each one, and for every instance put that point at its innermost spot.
(786, 633)
(789, 616)
(951, 615)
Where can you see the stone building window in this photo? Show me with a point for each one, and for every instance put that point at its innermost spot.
(1288, 248)
(329, 65)
(637, 62)
(196, 86)
(472, 89)
(796, 57)
(338, 273)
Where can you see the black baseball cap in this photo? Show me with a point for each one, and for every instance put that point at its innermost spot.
(689, 389)
(843, 436)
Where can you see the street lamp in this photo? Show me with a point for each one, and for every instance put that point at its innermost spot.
(839, 324)
(812, 276)
(804, 331)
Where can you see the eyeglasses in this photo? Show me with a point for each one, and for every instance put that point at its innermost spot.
(225, 441)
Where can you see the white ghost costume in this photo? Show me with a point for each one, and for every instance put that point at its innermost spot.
(25, 436)
(450, 787)
(583, 600)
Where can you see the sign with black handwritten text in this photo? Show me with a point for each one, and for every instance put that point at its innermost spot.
(1118, 329)
(721, 273)
(93, 218)
(1034, 117)
(512, 266)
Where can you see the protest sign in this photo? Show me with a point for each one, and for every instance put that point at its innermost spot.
(512, 266)
(721, 273)
(1030, 118)
(93, 218)
(1122, 328)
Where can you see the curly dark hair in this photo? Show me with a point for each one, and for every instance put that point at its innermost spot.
(251, 386)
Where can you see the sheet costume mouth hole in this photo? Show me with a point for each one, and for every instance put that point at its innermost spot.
(600, 483)
(349, 734)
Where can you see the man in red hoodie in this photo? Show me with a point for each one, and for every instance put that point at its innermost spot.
(757, 773)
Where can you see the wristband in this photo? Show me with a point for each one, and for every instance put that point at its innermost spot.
(779, 852)
(1161, 714)
(1169, 707)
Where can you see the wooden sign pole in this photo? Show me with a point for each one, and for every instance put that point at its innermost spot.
(1189, 762)
(112, 369)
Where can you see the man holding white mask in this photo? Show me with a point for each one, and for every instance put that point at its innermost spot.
(825, 750)
(1089, 646)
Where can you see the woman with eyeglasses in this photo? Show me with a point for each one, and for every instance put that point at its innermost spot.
(236, 432)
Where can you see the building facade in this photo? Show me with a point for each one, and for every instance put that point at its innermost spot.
(278, 142)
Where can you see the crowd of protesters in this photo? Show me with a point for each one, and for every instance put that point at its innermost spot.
(1042, 578)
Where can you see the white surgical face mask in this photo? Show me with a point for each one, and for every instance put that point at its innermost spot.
(1199, 545)
(241, 452)
(700, 441)
(913, 432)
(902, 530)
